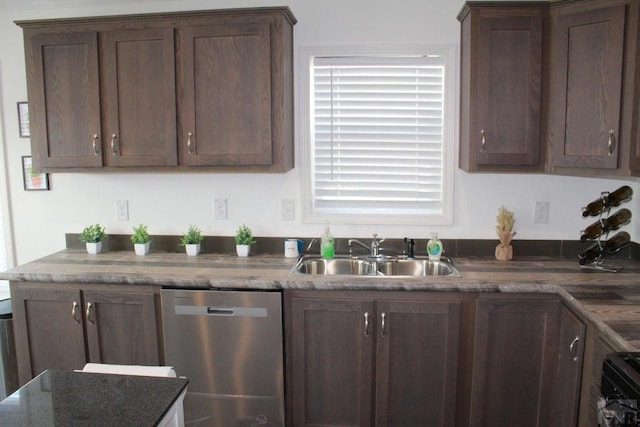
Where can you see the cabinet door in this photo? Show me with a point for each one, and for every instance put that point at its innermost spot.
(501, 85)
(48, 330)
(569, 371)
(417, 363)
(64, 100)
(331, 361)
(139, 98)
(121, 327)
(509, 80)
(586, 87)
(596, 349)
(515, 356)
(225, 108)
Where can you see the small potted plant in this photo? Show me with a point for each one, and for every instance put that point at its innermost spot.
(140, 239)
(244, 239)
(191, 240)
(92, 236)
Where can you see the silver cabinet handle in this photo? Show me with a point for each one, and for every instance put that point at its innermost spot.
(90, 308)
(383, 316)
(610, 143)
(366, 323)
(483, 141)
(113, 144)
(74, 312)
(573, 349)
(189, 144)
(95, 145)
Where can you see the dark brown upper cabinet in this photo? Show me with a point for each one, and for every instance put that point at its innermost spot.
(64, 99)
(587, 70)
(179, 91)
(139, 97)
(225, 113)
(550, 86)
(501, 87)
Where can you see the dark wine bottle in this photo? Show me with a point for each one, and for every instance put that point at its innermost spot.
(607, 200)
(620, 196)
(601, 249)
(598, 228)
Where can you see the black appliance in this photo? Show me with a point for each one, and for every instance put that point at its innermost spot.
(620, 389)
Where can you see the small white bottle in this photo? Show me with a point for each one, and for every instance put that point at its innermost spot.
(327, 248)
(434, 247)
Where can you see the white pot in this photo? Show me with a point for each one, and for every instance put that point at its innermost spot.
(193, 249)
(94, 248)
(243, 250)
(142, 248)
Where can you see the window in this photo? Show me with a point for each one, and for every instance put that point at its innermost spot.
(377, 136)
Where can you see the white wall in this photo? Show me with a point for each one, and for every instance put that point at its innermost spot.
(168, 203)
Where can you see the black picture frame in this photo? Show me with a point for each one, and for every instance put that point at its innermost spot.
(33, 181)
(23, 119)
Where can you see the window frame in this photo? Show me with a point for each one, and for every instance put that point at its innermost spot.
(306, 55)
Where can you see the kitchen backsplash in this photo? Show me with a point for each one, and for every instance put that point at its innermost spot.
(454, 248)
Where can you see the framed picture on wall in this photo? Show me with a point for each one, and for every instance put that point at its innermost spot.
(23, 119)
(33, 181)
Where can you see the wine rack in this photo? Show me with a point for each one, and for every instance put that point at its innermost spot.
(594, 256)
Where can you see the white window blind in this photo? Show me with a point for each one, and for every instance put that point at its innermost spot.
(377, 134)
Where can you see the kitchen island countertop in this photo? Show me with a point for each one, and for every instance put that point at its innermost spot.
(58, 397)
(610, 300)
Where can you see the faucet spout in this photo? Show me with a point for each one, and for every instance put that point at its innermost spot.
(374, 249)
(357, 242)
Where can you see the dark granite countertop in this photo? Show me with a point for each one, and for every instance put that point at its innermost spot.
(610, 300)
(68, 398)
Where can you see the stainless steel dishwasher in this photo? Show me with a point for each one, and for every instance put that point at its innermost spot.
(229, 345)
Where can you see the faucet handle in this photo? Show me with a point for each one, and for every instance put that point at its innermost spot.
(375, 238)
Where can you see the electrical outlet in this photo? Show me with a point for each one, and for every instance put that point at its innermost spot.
(220, 209)
(288, 212)
(541, 213)
(122, 210)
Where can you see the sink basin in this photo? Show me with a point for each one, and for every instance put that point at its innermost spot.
(375, 267)
(333, 266)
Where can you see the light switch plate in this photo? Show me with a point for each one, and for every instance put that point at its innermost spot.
(288, 210)
(122, 210)
(541, 213)
(220, 209)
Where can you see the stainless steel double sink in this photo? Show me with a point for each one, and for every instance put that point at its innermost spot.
(380, 266)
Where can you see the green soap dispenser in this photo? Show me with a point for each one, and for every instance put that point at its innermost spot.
(434, 247)
(327, 248)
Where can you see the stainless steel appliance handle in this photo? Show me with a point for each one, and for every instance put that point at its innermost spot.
(74, 312)
(90, 308)
(383, 316)
(366, 323)
(222, 311)
(573, 348)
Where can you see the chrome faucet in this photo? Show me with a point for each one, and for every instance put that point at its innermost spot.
(374, 248)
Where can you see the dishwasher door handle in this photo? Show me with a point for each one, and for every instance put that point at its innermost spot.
(220, 311)
(204, 310)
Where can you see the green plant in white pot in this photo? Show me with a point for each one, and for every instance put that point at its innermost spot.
(191, 240)
(244, 239)
(141, 240)
(92, 236)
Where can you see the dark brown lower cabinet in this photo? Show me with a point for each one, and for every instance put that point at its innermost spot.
(373, 358)
(65, 326)
(596, 348)
(526, 363)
